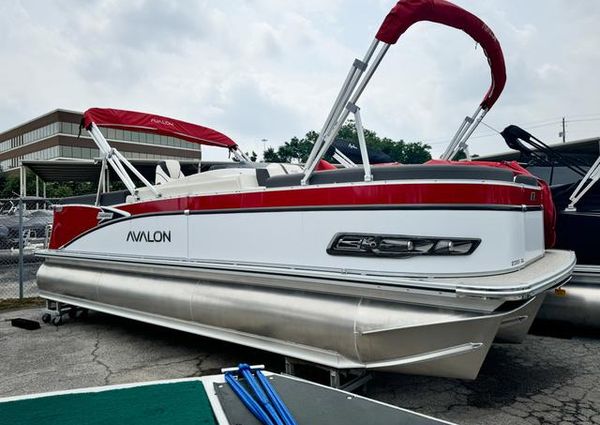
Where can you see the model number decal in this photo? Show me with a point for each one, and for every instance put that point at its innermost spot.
(149, 236)
(517, 262)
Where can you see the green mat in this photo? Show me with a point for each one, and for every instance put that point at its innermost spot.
(177, 403)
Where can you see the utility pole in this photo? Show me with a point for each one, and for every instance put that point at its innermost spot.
(563, 133)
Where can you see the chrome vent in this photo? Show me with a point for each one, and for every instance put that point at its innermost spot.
(399, 246)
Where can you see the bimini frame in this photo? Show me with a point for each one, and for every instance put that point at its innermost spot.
(400, 18)
(586, 183)
(148, 123)
(516, 138)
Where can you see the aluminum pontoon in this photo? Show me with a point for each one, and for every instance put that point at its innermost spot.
(412, 269)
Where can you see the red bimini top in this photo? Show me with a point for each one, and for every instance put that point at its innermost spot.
(409, 12)
(156, 124)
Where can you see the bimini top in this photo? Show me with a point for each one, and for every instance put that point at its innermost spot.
(409, 12)
(156, 124)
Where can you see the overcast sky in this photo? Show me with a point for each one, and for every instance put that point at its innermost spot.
(270, 69)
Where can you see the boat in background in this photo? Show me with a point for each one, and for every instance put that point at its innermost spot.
(412, 269)
(573, 178)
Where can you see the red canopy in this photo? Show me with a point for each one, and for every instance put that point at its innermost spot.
(148, 123)
(408, 12)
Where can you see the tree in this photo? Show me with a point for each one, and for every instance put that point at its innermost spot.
(2, 181)
(252, 157)
(10, 186)
(297, 150)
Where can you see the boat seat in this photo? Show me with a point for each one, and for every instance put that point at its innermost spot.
(167, 170)
(106, 199)
(403, 172)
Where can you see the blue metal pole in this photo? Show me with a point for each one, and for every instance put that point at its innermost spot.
(280, 406)
(247, 400)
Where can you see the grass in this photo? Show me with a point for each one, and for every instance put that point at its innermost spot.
(16, 304)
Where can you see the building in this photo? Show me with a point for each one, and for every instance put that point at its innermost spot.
(55, 135)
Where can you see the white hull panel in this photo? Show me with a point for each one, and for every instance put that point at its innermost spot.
(509, 239)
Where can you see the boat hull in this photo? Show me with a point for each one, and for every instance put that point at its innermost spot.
(411, 334)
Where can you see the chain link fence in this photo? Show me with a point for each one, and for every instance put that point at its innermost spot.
(25, 225)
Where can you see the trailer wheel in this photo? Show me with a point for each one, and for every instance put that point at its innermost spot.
(73, 312)
(46, 318)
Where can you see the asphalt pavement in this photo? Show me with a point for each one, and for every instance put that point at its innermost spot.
(545, 380)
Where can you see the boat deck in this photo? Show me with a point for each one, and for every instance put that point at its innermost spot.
(200, 401)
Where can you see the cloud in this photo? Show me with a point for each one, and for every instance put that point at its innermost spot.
(269, 69)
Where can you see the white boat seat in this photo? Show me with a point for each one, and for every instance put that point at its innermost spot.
(168, 170)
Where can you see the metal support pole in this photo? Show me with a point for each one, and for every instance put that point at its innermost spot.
(134, 170)
(465, 131)
(362, 142)
(354, 73)
(20, 248)
(44, 189)
(334, 379)
(100, 181)
(586, 183)
(37, 186)
(22, 181)
(339, 122)
(289, 367)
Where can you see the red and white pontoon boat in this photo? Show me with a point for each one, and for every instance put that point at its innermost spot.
(413, 269)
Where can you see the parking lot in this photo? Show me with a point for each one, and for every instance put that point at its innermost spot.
(545, 380)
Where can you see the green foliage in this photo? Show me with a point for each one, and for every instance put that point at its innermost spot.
(459, 156)
(10, 187)
(297, 150)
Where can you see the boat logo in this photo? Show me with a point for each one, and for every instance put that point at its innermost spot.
(162, 122)
(149, 236)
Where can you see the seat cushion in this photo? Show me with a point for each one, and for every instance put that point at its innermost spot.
(398, 172)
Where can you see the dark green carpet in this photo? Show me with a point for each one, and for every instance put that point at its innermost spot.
(181, 403)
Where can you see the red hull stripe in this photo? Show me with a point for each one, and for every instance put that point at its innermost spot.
(71, 221)
(389, 194)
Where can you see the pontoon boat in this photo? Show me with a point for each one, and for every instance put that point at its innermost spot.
(412, 269)
(573, 177)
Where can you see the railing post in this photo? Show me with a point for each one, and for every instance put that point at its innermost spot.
(20, 247)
